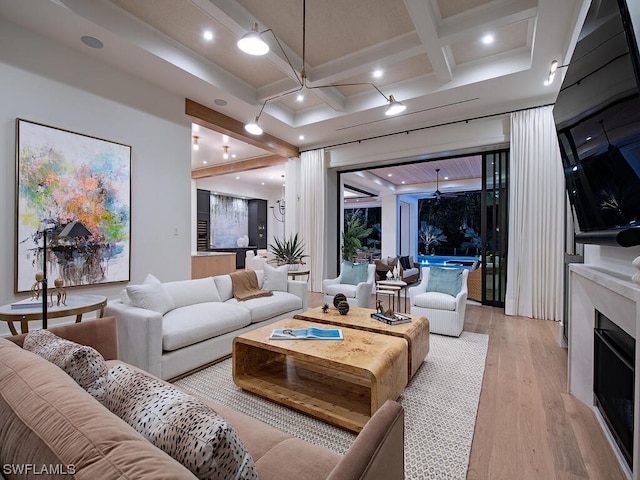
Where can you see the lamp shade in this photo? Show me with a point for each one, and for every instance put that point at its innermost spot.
(75, 229)
(253, 128)
(394, 107)
(252, 42)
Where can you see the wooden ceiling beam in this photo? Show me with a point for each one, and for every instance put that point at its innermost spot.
(209, 118)
(241, 166)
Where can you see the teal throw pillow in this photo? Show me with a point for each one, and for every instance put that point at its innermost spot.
(445, 280)
(354, 273)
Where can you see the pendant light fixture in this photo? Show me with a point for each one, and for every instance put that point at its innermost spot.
(253, 43)
(225, 150)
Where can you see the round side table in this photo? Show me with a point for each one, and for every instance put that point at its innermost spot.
(76, 305)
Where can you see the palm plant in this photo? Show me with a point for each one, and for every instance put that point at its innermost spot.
(431, 235)
(474, 240)
(355, 231)
(288, 251)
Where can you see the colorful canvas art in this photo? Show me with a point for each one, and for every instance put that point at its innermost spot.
(66, 177)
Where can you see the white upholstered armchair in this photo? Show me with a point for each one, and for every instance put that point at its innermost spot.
(358, 295)
(444, 311)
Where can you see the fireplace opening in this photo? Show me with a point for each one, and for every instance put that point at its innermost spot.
(613, 383)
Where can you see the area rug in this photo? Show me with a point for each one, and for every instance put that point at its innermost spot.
(441, 403)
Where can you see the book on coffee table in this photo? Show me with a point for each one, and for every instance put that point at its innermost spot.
(397, 318)
(311, 333)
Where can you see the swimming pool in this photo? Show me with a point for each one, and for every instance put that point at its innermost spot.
(446, 261)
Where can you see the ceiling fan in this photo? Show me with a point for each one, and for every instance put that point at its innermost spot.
(438, 194)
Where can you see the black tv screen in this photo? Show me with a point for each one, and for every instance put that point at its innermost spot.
(597, 115)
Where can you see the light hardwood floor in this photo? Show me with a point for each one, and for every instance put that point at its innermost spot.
(528, 426)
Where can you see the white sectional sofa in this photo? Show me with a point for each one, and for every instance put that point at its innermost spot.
(190, 323)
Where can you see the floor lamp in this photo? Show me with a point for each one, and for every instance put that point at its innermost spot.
(46, 226)
(73, 229)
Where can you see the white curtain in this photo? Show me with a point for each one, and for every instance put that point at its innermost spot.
(312, 213)
(536, 218)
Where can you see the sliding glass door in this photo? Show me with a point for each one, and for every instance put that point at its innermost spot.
(495, 226)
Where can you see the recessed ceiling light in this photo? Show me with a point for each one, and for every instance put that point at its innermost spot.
(300, 97)
(575, 168)
(92, 42)
(233, 156)
(403, 182)
(204, 161)
(208, 35)
(262, 183)
(301, 137)
(588, 138)
(488, 39)
(377, 73)
(389, 174)
(195, 127)
(220, 102)
(237, 178)
(225, 138)
(446, 178)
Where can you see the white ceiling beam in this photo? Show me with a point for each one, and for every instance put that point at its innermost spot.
(474, 24)
(112, 18)
(424, 20)
(363, 61)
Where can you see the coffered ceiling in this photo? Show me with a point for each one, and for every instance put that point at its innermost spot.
(428, 54)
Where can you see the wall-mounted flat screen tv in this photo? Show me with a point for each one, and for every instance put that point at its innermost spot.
(597, 115)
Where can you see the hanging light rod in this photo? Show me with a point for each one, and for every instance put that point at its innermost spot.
(253, 43)
(552, 72)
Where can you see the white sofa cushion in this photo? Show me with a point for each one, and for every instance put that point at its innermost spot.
(190, 292)
(435, 300)
(194, 323)
(152, 296)
(268, 307)
(348, 290)
(275, 278)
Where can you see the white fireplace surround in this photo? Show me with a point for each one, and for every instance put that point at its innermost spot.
(618, 298)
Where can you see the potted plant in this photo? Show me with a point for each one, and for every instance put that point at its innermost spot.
(289, 251)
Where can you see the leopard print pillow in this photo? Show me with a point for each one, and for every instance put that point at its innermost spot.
(82, 363)
(179, 424)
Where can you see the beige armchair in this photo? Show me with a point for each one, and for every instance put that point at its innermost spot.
(474, 284)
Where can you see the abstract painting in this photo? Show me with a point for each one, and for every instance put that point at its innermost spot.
(67, 181)
(229, 220)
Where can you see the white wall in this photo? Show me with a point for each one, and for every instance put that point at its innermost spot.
(51, 84)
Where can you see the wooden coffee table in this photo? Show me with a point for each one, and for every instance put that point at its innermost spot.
(416, 333)
(342, 382)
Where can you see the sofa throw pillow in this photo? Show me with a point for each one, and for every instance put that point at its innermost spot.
(445, 280)
(275, 278)
(179, 424)
(150, 295)
(82, 363)
(354, 273)
(405, 263)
